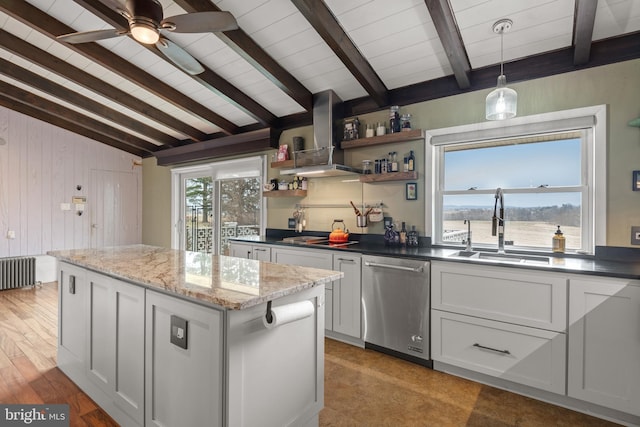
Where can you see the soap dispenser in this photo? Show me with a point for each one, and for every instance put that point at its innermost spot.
(558, 241)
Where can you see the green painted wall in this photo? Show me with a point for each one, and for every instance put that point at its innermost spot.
(617, 85)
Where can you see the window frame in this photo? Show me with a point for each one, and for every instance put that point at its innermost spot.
(225, 169)
(591, 120)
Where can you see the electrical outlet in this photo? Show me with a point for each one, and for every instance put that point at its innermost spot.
(635, 235)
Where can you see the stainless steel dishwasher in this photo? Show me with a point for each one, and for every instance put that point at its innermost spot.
(395, 301)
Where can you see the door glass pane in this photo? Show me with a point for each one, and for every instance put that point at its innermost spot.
(198, 216)
(240, 206)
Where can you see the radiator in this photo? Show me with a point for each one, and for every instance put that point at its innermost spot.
(17, 272)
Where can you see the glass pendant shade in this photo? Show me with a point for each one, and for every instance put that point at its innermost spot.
(502, 102)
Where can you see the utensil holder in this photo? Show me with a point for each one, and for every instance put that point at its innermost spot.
(361, 220)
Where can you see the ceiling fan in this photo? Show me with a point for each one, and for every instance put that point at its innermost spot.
(146, 23)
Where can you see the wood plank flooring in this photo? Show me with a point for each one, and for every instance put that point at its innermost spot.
(362, 387)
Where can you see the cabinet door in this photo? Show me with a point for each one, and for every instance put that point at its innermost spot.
(524, 355)
(115, 361)
(525, 297)
(183, 385)
(240, 250)
(72, 293)
(305, 258)
(261, 253)
(347, 295)
(604, 342)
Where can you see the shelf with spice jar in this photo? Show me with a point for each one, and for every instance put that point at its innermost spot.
(285, 193)
(389, 138)
(389, 176)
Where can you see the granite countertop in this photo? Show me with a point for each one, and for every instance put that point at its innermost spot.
(232, 283)
(608, 261)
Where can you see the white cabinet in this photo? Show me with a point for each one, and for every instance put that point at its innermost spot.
(115, 352)
(183, 386)
(604, 342)
(72, 331)
(246, 250)
(101, 340)
(346, 295)
(502, 322)
(343, 313)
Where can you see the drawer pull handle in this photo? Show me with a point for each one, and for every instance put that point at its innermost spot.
(492, 349)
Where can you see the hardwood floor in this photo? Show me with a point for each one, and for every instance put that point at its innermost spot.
(362, 387)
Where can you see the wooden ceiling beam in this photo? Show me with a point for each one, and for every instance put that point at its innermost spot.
(45, 24)
(445, 22)
(39, 108)
(58, 91)
(328, 27)
(53, 64)
(208, 78)
(585, 18)
(241, 43)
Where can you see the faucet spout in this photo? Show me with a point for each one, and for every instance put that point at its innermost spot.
(497, 222)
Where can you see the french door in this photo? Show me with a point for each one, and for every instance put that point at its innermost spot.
(216, 202)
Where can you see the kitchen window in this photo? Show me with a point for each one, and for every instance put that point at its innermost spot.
(551, 169)
(216, 202)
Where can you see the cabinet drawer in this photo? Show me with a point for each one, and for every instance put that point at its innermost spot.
(520, 354)
(525, 297)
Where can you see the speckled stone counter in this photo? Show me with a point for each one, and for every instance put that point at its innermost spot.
(232, 283)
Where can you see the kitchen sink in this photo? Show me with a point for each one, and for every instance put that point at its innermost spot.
(498, 257)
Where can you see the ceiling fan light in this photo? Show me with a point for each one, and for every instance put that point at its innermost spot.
(144, 32)
(502, 102)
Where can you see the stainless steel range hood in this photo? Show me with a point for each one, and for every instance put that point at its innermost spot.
(325, 158)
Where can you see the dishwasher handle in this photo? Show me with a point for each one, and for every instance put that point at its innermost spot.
(394, 267)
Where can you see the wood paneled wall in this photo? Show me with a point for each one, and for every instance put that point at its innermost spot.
(41, 166)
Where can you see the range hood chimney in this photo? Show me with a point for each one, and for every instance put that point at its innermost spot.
(325, 158)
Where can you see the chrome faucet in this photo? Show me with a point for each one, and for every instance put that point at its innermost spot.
(469, 248)
(497, 222)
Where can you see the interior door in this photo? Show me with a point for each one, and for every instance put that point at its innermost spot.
(115, 209)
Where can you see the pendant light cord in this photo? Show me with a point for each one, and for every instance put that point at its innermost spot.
(502, 52)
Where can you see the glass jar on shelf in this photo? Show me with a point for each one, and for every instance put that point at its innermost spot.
(405, 122)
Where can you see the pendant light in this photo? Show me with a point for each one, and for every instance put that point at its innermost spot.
(502, 102)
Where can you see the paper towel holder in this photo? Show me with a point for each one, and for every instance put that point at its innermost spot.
(269, 315)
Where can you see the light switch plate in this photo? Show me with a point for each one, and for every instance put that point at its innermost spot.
(179, 331)
(635, 235)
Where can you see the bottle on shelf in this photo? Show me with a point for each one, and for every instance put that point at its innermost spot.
(406, 164)
(412, 237)
(403, 235)
(394, 119)
(393, 158)
(412, 161)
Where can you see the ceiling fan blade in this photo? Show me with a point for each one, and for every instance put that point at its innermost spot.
(179, 56)
(200, 22)
(90, 36)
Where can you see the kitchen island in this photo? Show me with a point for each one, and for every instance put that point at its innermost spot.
(164, 337)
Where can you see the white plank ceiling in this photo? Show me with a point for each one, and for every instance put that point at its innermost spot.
(398, 40)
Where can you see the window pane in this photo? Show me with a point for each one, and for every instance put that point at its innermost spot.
(528, 165)
(530, 219)
(198, 232)
(239, 209)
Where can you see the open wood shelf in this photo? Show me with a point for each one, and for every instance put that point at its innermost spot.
(382, 139)
(390, 176)
(285, 193)
(282, 164)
